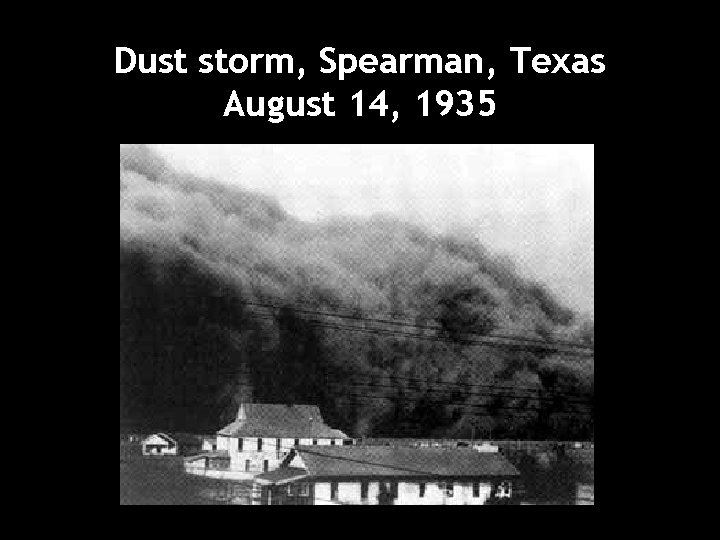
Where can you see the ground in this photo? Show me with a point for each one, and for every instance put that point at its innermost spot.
(162, 481)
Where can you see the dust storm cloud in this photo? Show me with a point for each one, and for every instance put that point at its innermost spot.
(197, 258)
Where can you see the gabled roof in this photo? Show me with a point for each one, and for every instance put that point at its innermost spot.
(280, 421)
(164, 436)
(184, 439)
(376, 461)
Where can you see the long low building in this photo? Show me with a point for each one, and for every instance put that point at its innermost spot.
(386, 476)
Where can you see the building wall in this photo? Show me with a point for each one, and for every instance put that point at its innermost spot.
(164, 452)
(209, 445)
(350, 493)
(323, 495)
(585, 494)
(269, 453)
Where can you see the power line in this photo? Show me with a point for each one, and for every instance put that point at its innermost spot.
(295, 309)
(474, 406)
(455, 388)
(456, 383)
(535, 341)
(469, 407)
(330, 372)
(486, 342)
(339, 372)
(396, 321)
(488, 394)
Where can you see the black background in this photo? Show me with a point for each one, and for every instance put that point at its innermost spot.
(531, 109)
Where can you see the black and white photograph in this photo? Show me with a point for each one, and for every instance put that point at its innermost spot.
(357, 324)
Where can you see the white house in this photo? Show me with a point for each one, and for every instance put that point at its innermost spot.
(160, 444)
(260, 439)
(163, 444)
(400, 476)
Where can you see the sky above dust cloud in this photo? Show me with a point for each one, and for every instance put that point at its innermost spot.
(533, 202)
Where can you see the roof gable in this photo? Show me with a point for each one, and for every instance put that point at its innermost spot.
(280, 421)
(159, 439)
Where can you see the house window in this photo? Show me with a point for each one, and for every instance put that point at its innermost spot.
(332, 442)
(334, 488)
(304, 490)
(247, 465)
(266, 466)
(315, 441)
(279, 448)
(476, 490)
(297, 442)
(450, 490)
(260, 445)
(241, 445)
(364, 491)
(423, 490)
(505, 490)
(394, 490)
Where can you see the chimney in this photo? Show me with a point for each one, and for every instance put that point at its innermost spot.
(242, 414)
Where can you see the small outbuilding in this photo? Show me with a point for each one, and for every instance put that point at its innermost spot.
(164, 444)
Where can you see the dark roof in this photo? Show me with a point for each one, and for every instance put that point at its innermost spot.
(377, 461)
(282, 475)
(281, 421)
